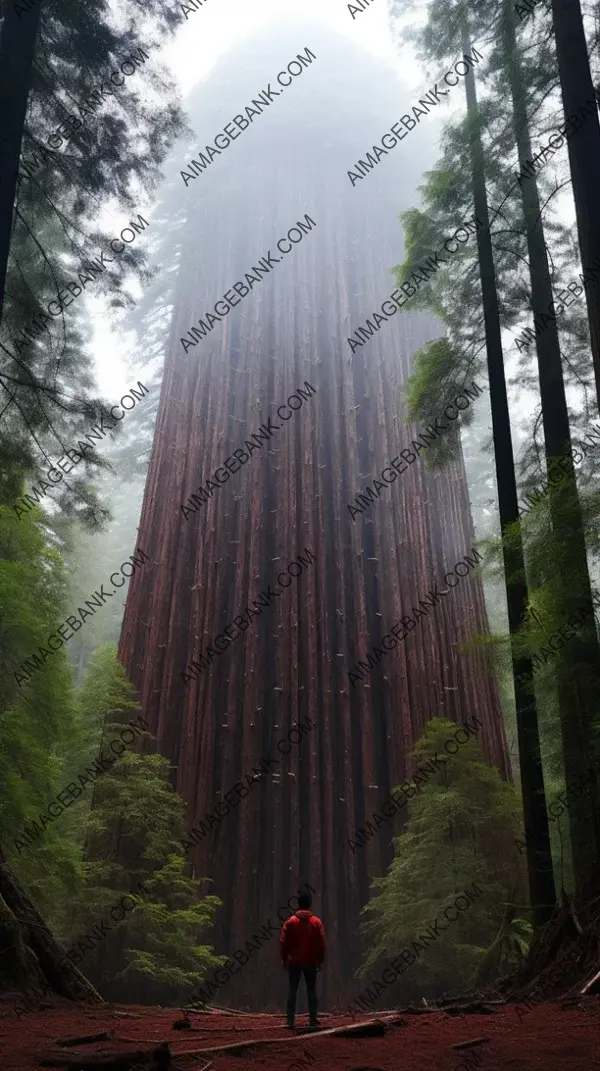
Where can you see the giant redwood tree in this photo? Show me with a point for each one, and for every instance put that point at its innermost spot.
(216, 723)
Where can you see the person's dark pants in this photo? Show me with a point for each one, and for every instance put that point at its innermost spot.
(310, 977)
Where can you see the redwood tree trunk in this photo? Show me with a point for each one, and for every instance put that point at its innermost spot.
(578, 693)
(17, 51)
(296, 823)
(535, 816)
(584, 151)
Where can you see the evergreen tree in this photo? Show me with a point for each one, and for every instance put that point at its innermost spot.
(459, 835)
(578, 697)
(442, 368)
(38, 728)
(157, 950)
(116, 144)
(52, 59)
(546, 637)
(508, 126)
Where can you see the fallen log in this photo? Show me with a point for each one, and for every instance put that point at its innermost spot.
(188, 1010)
(396, 1023)
(469, 1009)
(84, 1039)
(157, 1059)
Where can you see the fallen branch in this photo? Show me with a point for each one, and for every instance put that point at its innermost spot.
(86, 1039)
(415, 1011)
(215, 1009)
(371, 1028)
(588, 985)
(469, 1044)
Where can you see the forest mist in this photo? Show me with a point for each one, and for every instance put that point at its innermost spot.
(482, 819)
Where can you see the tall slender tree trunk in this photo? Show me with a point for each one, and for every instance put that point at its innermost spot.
(584, 150)
(17, 51)
(539, 856)
(577, 692)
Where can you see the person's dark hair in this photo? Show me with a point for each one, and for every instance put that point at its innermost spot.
(304, 900)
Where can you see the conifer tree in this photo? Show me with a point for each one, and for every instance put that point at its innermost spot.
(459, 835)
(442, 363)
(579, 101)
(117, 137)
(158, 949)
(510, 127)
(578, 698)
(39, 727)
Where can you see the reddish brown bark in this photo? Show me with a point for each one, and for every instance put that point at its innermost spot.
(295, 659)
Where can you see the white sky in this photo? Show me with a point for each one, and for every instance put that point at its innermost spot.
(210, 31)
(201, 41)
(204, 37)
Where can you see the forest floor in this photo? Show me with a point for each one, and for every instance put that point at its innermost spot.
(547, 1038)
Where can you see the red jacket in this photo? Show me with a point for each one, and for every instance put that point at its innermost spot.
(302, 940)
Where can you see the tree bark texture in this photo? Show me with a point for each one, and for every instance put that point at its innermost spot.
(584, 151)
(17, 51)
(293, 662)
(535, 816)
(578, 694)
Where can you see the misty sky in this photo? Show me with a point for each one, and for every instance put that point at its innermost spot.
(205, 38)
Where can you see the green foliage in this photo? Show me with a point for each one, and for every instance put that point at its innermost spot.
(163, 956)
(435, 382)
(113, 161)
(38, 721)
(509, 947)
(555, 581)
(105, 690)
(50, 735)
(156, 950)
(460, 830)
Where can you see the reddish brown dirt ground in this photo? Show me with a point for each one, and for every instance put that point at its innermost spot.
(547, 1038)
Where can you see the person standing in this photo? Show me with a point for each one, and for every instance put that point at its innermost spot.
(302, 948)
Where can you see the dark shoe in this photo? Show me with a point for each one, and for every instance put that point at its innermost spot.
(315, 1022)
(289, 1026)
